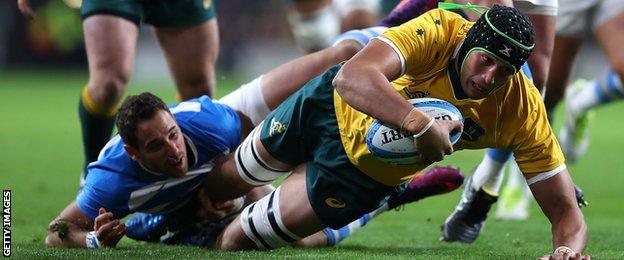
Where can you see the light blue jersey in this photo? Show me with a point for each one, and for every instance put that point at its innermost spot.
(122, 186)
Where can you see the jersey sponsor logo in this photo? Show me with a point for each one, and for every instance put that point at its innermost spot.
(276, 128)
(415, 94)
(505, 51)
(393, 135)
(335, 203)
(472, 131)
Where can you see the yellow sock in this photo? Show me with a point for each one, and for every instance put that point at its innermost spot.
(94, 108)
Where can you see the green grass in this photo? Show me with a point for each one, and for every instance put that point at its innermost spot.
(41, 157)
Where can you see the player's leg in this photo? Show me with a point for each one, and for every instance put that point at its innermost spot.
(574, 136)
(314, 23)
(357, 14)
(110, 44)
(254, 100)
(436, 181)
(274, 147)
(608, 33)
(514, 199)
(279, 219)
(564, 54)
(189, 37)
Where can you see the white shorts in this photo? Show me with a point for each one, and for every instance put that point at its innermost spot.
(578, 18)
(537, 7)
(248, 100)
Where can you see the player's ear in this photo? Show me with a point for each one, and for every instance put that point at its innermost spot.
(133, 152)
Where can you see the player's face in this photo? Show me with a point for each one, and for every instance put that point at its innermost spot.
(482, 74)
(161, 147)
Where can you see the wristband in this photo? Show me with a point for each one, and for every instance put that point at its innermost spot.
(420, 118)
(564, 250)
(405, 119)
(424, 130)
(91, 240)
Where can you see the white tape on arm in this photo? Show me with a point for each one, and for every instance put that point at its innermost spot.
(546, 175)
(564, 250)
(91, 240)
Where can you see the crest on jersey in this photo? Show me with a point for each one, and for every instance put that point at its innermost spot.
(276, 127)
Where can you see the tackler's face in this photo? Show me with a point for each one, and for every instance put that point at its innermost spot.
(482, 74)
(161, 147)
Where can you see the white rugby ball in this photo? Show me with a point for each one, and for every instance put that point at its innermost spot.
(389, 145)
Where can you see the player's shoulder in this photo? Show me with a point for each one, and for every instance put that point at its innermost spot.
(438, 26)
(201, 108)
(440, 18)
(207, 123)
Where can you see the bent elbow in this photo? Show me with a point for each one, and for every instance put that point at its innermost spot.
(342, 81)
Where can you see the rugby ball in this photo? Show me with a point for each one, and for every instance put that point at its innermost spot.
(390, 145)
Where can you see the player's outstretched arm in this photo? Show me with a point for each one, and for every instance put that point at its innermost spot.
(556, 197)
(72, 228)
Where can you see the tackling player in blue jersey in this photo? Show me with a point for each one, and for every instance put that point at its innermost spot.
(161, 169)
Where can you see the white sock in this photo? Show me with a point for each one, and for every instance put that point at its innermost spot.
(334, 236)
(488, 175)
(602, 90)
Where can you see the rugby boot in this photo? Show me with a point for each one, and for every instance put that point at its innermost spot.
(202, 234)
(407, 10)
(574, 134)
(580, 197)
(146, 227)
(466, 222)
(436, 181)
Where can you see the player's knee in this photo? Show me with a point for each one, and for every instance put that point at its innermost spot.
(108, 86)
(262, 223)
(196, 85)
(108, 93)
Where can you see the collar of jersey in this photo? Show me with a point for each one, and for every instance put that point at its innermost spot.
(458, 92)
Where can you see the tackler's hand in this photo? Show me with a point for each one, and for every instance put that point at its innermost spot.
(108, 230)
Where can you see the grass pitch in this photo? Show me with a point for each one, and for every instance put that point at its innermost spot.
(41, 158)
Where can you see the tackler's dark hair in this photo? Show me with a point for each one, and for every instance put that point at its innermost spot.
(134, 110)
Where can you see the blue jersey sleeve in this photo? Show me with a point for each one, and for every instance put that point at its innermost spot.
(212, 126)
(103, 190)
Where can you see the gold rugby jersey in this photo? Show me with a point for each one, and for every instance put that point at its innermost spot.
(513, 117)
